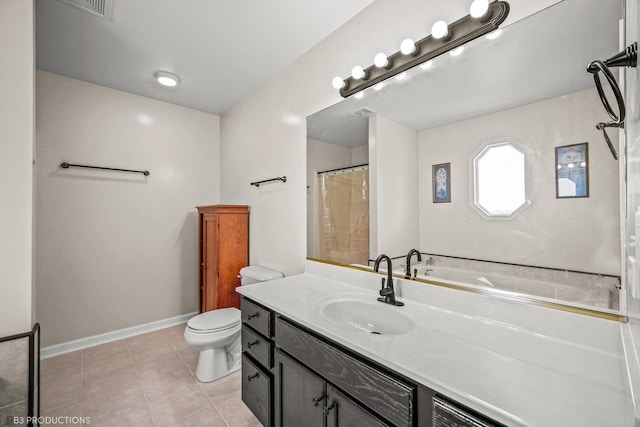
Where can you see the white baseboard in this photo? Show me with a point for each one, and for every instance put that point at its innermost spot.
(82, 343)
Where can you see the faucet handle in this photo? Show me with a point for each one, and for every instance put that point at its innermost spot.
(385, 291)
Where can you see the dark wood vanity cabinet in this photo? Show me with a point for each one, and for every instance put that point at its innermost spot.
(302, 398)
(257, 360)
(376, 390)
(223, 250)
(292, 376)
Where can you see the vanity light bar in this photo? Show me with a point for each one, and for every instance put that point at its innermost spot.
(460, 32)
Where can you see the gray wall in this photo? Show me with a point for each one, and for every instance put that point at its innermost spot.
(116, 250)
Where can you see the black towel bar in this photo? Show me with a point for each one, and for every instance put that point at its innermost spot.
(66, 165)
(280, 178)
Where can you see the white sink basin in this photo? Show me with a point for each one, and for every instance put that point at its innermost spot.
(371, 317)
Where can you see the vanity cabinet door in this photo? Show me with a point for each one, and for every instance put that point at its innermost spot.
(390, 398)
(256, 390)
(342, 411)
(299, 394)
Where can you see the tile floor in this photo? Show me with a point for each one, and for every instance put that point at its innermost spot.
(147, 380)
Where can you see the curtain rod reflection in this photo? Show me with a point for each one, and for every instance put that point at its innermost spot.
(345, 169)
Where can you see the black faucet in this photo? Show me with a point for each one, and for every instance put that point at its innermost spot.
(387, 294)
(407, 274)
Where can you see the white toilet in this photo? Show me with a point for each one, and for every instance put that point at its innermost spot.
(216, 333)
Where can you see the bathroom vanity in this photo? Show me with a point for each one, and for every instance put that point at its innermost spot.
(319, 348)
(302, 378)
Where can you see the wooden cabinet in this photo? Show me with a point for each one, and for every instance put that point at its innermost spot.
(223, 250)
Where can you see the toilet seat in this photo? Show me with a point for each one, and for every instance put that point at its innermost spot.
(215, 321)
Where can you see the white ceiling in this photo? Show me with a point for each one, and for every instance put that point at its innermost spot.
(221, 49)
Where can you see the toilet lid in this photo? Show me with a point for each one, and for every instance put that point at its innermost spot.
(222, 318)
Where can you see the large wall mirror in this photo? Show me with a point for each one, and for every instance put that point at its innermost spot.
(528, 85)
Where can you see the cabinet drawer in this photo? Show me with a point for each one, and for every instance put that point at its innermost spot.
(258, 317)
(389, 397)
(257, 346)
(256, 390)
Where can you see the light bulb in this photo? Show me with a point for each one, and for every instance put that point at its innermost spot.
(426, 65)
(457, 51)
(479, 8)
(401, 76)
(381, 60)
(439, 30)
(407, 47)
(358, 72)
(494, 34)
(378, 86)
(166, 79)
(337, 82)
(358, 95)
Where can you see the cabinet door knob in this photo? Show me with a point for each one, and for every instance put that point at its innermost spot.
(250, 377)
(251, 316)
(327, 409)
(318, 399)
(256, 342)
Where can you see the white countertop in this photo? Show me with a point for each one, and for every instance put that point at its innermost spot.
(515, 363)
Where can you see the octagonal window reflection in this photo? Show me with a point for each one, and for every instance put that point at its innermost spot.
(500, 180)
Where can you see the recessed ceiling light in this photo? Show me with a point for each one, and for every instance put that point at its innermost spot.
(166, 79)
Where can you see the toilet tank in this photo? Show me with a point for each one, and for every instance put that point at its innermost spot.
(256, 273)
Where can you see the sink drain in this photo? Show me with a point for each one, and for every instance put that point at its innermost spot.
(376, 333)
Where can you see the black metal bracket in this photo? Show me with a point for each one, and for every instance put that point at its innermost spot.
(626, 58)
(66, 165)
(460, 32)
(280, 178)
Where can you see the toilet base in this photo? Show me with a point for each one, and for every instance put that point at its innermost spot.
(216, 363)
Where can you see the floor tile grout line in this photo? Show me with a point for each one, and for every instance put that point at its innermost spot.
(215, 408)
(144, 395)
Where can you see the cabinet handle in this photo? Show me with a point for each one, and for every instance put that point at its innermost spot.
(318, 399)
(251, 316)
(250, 377)
(253, 343)
(327, 409)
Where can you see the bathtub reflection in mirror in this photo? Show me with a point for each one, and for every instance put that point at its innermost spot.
(529, 85)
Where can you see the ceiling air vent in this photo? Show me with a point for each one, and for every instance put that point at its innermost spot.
(364, 112)
(101, 8)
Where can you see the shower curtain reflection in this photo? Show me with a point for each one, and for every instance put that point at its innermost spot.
(342, 224)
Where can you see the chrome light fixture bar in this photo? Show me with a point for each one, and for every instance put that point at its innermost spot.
(458, 33)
